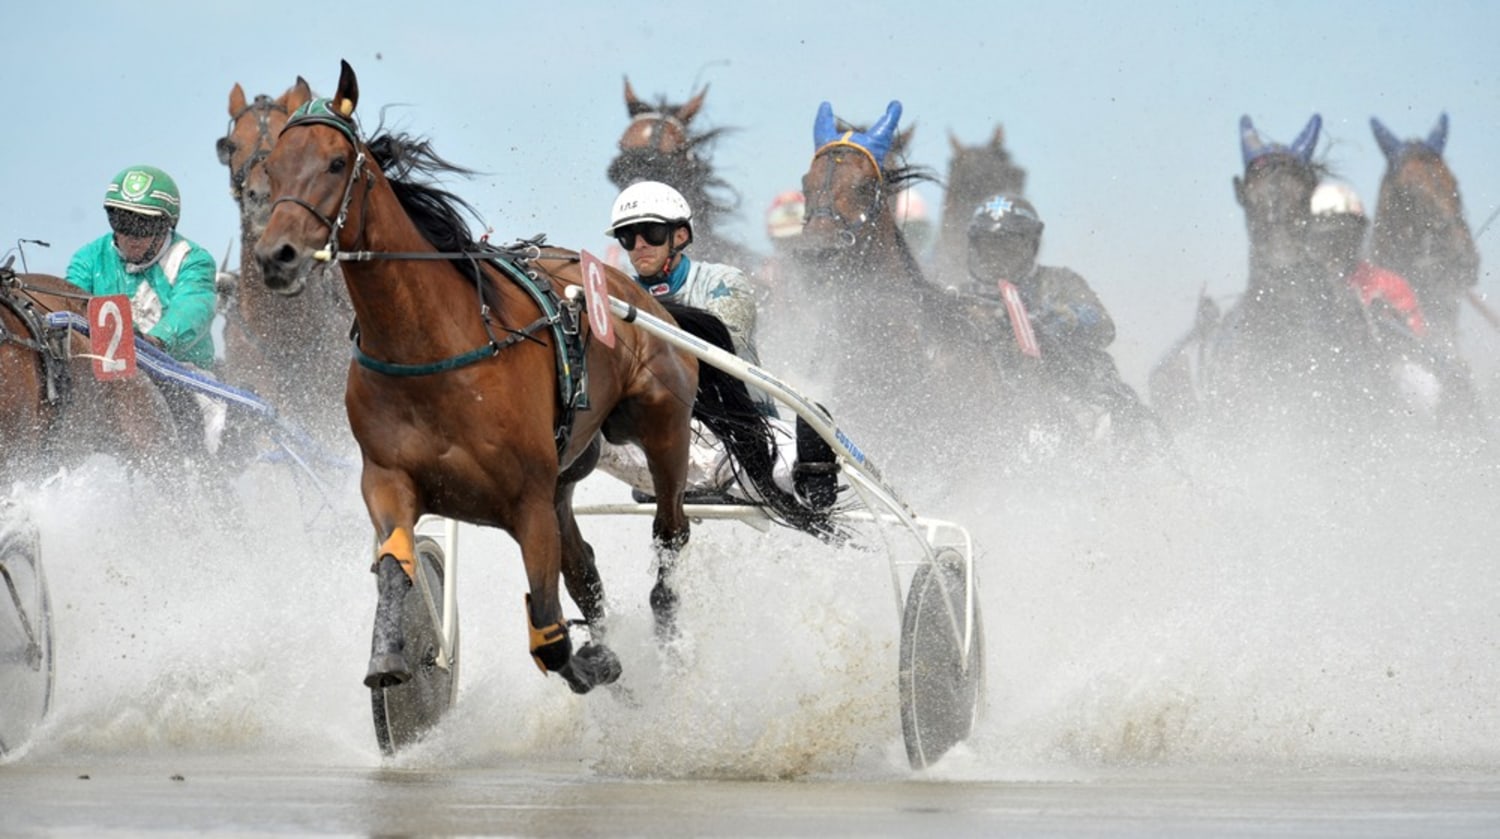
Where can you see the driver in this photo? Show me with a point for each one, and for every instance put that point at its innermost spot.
(654, 225)
(170, 280)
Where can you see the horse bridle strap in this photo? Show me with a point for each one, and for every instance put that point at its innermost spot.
(850, 228)
(263, 106)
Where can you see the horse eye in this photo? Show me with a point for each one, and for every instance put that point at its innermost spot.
(337, 165)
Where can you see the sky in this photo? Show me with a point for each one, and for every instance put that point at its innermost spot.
(1124, 115)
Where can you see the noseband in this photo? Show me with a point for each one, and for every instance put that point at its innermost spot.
(262, 107)
(848, 229)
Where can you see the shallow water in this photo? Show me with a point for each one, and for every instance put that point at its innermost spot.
(1265, 640)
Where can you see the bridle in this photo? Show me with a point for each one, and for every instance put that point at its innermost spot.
(848, 229)
(335, 224)
(262, 107)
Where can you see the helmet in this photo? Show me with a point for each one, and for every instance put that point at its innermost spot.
(1333, 198)
(784, 217)
(146, 191)
(1006, 214)
(649, 201)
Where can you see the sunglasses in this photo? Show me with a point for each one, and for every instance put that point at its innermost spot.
(654, 232)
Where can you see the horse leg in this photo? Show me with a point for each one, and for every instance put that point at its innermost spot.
(539, 533)
(593, 663)
(579, 571)
(392, 507)
(667, 454)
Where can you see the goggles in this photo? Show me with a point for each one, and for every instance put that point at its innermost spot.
(126, 223)
(654, 232)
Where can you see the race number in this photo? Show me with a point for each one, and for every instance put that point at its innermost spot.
(1020, 322)
(111, 337)
(596, 298)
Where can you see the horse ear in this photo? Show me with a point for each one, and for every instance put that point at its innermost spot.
(1439, 136)
(633, 105)
(301, 94)
(686, 113)
(998, 141)
(1308, 140)
(882, 132)
(1251, 146)
(347, 95)
(954, 144)
(1390, 145)
(825, 130)
(236, 100)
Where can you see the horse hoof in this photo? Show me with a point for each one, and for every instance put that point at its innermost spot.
(591, 666)
(664, 608)
(387, 670)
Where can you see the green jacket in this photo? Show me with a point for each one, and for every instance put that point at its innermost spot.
(182, 280)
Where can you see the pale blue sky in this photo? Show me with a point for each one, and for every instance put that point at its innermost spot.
(1124, 113)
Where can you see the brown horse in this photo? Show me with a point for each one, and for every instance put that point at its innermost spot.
(293, 354)
(660, 144)
(52, 408)
(1419, 230)
(479, 394)
(975, 174)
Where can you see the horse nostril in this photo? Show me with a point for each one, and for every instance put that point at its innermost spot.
(285, 254)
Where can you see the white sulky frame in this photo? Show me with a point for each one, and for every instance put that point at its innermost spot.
(883, 507)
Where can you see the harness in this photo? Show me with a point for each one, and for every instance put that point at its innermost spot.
(48, 343)
(515, 263)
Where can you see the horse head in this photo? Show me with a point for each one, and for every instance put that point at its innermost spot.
(1276, 193)
(659, 145)
(977, 172)
(1419, 225)
(847, 185)
(312, 173)
(253, 129)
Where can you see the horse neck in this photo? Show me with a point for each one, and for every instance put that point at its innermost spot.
(405, 308)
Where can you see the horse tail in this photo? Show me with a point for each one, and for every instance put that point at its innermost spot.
(725, 406)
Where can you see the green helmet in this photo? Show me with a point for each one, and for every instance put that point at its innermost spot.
(145, 190)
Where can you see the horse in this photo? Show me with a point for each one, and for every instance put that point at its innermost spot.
(480, 392)
(293, 354)
(1297, 348)
(901, 352)
(1419, 229)
(53, 409)
(660, 144)
(975, 173)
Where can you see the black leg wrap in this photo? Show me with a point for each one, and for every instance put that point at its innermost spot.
(816, 472)
(388, 666)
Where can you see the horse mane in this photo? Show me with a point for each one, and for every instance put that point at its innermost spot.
(898, 177)
(725, 406)
(412, 167)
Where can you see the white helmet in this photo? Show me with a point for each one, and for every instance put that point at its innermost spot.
(649, 201)
(1333, 198)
